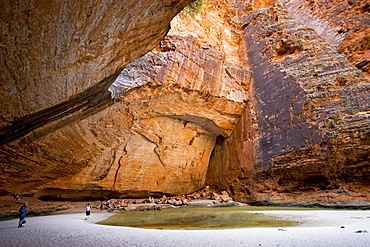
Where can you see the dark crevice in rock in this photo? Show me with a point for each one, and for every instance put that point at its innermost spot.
(284, 48)
(56, 194)
(117, 173)
(159, 157)
(362, 64)
(216, 169)
(203, 122)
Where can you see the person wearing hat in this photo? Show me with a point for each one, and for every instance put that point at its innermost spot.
(22, 214)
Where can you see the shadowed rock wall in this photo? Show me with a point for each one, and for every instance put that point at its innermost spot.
(308, 127)
(344, 25)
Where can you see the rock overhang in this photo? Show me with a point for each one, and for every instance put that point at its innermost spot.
(174, 110)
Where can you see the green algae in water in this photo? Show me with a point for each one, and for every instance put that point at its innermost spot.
(196, 219)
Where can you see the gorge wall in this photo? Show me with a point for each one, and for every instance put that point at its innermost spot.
(163, 126)
(268, 100)
(57, 63)
(309, 124)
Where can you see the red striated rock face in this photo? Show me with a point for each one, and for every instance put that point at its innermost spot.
(293, 127)
(344, 25)
(306, 137)
(57, 61)
(172, 109)
(171, 105)
(56, 57)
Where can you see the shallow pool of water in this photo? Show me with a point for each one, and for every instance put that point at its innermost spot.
(196, 218)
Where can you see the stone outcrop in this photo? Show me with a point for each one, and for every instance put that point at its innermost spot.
(57, 62)
(344, 25)
(308, 136)
(267, 100)
(171, 105)
(57, 59)
(157, 137)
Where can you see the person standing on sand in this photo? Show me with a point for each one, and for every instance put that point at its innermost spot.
(87, 211)
(22, 214)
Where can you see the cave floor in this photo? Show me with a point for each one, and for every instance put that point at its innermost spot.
(319, 228)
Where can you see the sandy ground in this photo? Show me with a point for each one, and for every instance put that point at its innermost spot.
(319, 228)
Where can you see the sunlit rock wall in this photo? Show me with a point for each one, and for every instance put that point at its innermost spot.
(171, 106)
(57, 61)
(293, 127)
(67, 51)
(153, 131)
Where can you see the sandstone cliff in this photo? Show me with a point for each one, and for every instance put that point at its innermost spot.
(57, 62)
(310, 128)
(344, 25)
(162, 130)
(59, 58)
(266, 99)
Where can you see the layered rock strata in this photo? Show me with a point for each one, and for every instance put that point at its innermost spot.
(58, 59)
(344, 25)
(293, 128)
(310, 128)
(57, 63)
(171, 105)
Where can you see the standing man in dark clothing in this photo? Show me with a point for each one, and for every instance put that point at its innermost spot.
(22, 214)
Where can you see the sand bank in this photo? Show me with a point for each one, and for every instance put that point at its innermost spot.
(319, 228)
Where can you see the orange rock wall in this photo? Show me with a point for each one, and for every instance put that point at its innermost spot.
(57, 61)
(344, 25)
(170, 106)
(308, 125)
(266, 99)
(57, 56)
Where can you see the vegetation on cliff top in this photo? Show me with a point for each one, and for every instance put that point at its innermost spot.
(195, 7)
